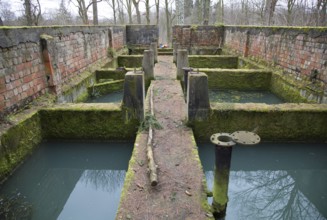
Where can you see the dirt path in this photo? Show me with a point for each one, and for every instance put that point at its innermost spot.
(180, 192)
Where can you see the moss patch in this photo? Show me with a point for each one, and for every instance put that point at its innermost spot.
(106, 88)
(87, 121)
(130, 61)
(212, 61)
(18, 142)
(238, 79)
(298, 122)
(114, 74)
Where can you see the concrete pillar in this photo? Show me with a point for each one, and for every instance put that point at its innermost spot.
(182, 61)
(148, 66)
(175, 48)
(198, 104)
(134, 95)
(223, 157)
(154, 47)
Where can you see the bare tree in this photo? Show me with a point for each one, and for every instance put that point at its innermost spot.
(32, 12)
(188, 7)
(290, 6)
(321, 13)
(128, 6)
(112, 4)
(95, 12)
(206, 11)
(121, 14)
(169, 19)
(137, 8)
(157, 2)
(269, 11)
(83, 8)
(220, 12)
(7, 17)
(147, 11)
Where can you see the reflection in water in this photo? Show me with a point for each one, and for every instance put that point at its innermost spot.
(72, 180)
(114, 97)
(295, 190)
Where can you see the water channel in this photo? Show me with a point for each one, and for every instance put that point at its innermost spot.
(68, 180)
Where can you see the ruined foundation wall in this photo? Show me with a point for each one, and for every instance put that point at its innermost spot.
(35, 60)
(193, 36)
(296, 50)
(141, 35)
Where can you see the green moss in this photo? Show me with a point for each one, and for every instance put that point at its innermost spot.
(238, 79)
(106, 88)
(298, 122)
(130, 61)
(18, 142)
(213, 61)
(87, 121)
(115, 74)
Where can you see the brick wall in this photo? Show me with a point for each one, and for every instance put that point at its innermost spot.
(296, 50)
(198, 36)
(40, 59)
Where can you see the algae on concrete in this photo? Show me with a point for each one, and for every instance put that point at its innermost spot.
(213, 61)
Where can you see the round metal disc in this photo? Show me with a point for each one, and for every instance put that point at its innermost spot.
(245, 137)
(222, 139)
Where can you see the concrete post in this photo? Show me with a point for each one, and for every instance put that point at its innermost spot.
(175, 48)
(154, 47)
(134, 95)
(198, 104)
(148, 66)
(182, 61)
(221, 180)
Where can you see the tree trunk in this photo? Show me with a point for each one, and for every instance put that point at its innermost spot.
(206, 11)
(95, 12)
(167, 22)
(269, 11)
(138, 14)
(1, 22)
(114, 11)
(28, 12)
(120, 12)
(147, 9)
(157, 11)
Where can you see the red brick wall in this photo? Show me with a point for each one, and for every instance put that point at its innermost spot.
(198, 36)
(296, 50)
(30, 66)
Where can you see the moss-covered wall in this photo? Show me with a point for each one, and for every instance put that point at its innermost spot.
(290, 122)
(212, 61)
(130, 61)
(87, 121)
(114, 74)
(106, 88)
(288, 88)
(18, 142)
(238, 79)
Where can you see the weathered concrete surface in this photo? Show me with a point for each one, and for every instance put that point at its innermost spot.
(182, 61)
(198, 105)
(148, 66)
(175, 153)
(133, 98)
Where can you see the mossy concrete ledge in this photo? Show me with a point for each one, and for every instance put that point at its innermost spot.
(87, 121)
(213, 61)
(239, 79)
(130, 61)
(286, 122)
(106, 88)
(112, 73)
(18, 142)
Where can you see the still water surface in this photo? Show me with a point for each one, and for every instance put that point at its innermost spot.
(114, 97)
(236, 96)
(71, 180)
(273, 180)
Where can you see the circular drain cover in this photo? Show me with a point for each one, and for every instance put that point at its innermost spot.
(245, 137)
(222, 139)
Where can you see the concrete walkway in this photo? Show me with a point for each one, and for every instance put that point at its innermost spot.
(180, 193)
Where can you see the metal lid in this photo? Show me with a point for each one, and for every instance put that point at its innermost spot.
(222, 139)
(245, 137)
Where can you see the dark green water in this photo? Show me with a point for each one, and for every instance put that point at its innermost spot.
(273, 180)
(70, 180)
(236, 96)
(114, 97)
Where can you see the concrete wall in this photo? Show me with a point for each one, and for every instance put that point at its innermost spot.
(198, 36)
(141, 35)
(40, 59)
(296, 50)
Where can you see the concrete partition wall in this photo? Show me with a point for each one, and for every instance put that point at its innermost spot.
(286, 122)
(139, 37)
